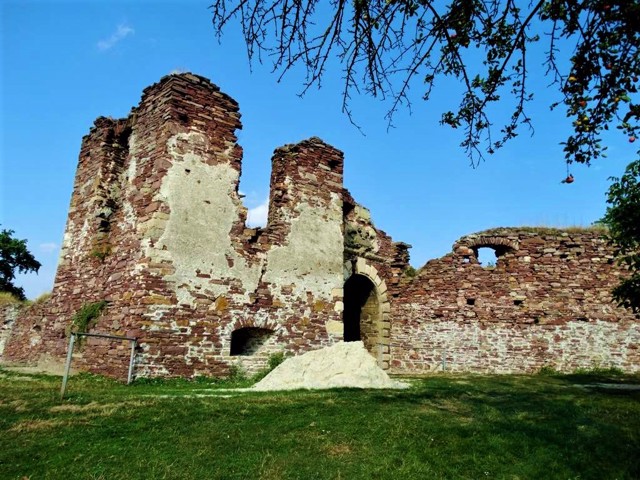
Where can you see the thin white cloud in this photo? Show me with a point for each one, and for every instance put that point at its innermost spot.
(257, 216)
(122, 32)
(48, 247)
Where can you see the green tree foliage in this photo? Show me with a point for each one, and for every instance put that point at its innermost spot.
(388, 47)
(14, 257)
(623, 219)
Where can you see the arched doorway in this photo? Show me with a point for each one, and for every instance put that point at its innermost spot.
(361, 315)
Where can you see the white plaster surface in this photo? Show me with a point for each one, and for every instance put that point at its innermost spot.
(345, 364)
(129, 175)
(311, 257)
(196, 237)
(334, 327)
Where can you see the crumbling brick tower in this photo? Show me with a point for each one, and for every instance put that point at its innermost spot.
(156, 227)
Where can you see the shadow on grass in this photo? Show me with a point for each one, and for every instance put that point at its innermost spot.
(569, 430)
(443, 427)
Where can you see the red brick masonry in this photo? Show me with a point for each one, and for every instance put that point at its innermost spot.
(157, 228)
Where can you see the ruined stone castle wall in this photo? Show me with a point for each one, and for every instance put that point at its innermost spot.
(377, 264)
(546, 303)
(156, 227)
(8, 315)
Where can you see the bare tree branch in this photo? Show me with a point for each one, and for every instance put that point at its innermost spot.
(384, 46)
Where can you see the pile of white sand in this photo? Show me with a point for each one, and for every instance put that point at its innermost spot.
(345, 364)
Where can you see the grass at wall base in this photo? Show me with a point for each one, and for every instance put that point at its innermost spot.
(444, 427)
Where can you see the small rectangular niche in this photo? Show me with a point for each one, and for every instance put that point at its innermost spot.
(471, 301)
(518, 302)
(248, 340)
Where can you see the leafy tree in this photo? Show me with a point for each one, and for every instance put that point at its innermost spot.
(14, 256)
(385, 47)
(623, 219)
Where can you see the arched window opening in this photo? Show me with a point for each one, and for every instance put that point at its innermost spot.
(487, 256)
(249, 340)
(361, 311)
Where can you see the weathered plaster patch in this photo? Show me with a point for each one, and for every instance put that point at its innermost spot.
(133, 152)
(334, 327)
(66, 243)
(311, 257)
(8, 315)
(80, 238)
(129, 175)
(195, 237)
(359, 232)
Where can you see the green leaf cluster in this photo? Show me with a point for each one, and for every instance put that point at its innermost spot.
(88, 313)
(623, 219)
(14, 257)
(276, 359)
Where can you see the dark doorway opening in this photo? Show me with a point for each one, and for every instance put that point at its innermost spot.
(248, 340)
(360, 309)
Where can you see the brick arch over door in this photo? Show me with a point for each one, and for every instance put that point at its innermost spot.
(381, 349)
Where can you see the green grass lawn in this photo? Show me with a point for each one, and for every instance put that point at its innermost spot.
(475, 427)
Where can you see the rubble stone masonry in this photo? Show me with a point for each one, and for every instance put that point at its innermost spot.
(8, 314)
(156, 227)
(545, 303)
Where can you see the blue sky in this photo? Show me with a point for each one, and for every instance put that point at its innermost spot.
(65, 63)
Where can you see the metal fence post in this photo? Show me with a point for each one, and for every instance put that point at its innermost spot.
(133, 349)
(67, 366)
(444, 360)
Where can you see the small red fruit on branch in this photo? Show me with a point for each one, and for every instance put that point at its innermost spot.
(632, 139)
(569, 179)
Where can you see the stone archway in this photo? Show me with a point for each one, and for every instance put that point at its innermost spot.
(366, 309)
(361, 311)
